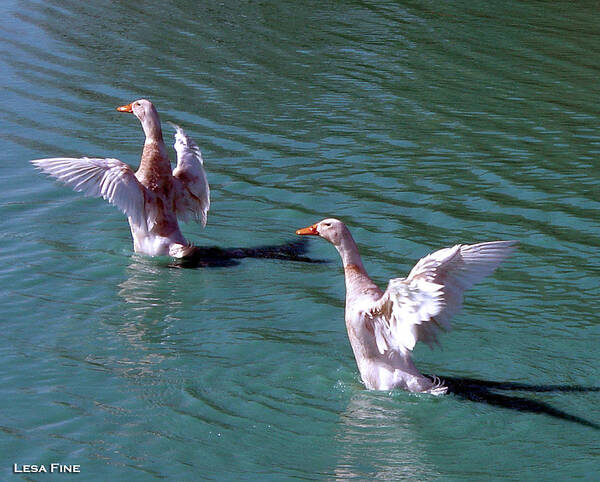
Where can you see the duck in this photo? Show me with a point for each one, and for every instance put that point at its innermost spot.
(384, 326)
(155, 196)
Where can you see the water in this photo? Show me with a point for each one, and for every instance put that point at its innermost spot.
(420, 125)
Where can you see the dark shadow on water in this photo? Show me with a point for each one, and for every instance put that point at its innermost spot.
(216, 257)
(486, 391)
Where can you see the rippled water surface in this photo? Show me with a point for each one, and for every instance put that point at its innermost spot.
(420, 124)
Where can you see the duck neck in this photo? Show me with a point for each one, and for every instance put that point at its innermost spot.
(349, 252)
(357, 279)
(154, 155)
(151, 126)
(153, 132)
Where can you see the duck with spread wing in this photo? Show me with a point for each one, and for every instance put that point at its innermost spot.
(154, 196)
(383, 327)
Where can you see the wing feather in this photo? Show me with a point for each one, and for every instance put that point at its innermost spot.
(416, 308)
(193, 199)
(405, 305)
(458, 269)
(111, 179)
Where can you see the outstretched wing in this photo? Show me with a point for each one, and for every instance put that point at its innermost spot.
(417, 307)
(112, 179)
(193, 192)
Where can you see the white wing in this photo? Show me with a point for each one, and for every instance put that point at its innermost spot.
(193, 192)
(405, 305)
(112, 179)
(416, 308)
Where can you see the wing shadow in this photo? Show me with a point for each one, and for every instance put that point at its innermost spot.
(216, 257)
(486, 391)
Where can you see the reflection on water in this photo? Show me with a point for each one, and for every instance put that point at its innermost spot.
(377, 440)
(151, 296)
(377, 434)
(149, 285)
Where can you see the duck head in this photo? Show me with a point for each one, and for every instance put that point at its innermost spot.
(145, 111)
(333, 230)
(336, 232)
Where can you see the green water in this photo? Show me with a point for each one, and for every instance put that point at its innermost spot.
(420, 125)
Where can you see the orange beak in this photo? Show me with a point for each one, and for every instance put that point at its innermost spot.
(125, 108)
(309, 230)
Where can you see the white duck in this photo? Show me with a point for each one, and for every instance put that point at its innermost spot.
(154, 196)
(383, 327)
